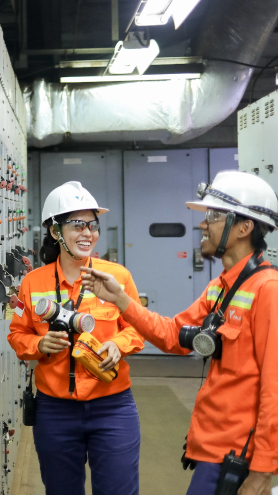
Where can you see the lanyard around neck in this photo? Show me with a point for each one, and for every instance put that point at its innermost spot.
(58, 293)
(71, 337)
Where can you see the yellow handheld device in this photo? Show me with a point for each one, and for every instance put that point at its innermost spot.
(85, 352)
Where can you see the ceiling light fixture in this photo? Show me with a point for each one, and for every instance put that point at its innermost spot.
(181, 10)
(132, 54)
(128, 78)
(158, 12)
(153, 12)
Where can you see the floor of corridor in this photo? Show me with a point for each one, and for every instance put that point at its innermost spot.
(181, 375)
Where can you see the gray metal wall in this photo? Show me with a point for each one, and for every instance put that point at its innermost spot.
(258, 150)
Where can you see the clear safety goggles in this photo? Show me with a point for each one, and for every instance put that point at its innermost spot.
(80, 225)
(213, 216)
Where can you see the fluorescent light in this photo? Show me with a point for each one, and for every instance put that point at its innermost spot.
(146, 56)
(182, 9)
(158, 12)
(155, 6)
(79, 64)
(152, 20)
(130, 55)
(127, 78)
(155, 12)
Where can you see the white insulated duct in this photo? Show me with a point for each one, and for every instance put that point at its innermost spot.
(171, 111)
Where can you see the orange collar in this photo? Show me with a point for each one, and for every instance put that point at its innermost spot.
(61, 275)
(229, 277)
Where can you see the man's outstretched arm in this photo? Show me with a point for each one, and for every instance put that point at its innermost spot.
(105, 286)
(163, 332)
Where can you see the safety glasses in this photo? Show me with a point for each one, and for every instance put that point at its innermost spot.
(80, 225)
(215, 215)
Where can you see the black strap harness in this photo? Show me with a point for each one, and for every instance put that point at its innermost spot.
(252, 266)
(71, 333)
(225, 235)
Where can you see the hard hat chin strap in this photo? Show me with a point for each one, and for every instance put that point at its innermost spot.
(226, 232)
(61, 240)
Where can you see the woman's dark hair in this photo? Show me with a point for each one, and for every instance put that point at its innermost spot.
(257, 235)
(50, 249)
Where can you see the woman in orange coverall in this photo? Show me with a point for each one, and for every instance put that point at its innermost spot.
(78, 415)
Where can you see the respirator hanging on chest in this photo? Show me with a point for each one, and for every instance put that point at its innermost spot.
(204, 340)
(63, 317)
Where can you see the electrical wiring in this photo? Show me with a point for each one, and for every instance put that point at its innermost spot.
(258, 75)
(240, 63)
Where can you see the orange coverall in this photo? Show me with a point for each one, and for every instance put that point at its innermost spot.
(241, 389)
(52, 373)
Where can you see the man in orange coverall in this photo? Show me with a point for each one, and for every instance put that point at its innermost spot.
(241, 389)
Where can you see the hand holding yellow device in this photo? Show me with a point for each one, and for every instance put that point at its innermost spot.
(85, 352)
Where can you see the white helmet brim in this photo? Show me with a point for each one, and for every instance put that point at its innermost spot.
(242, 193)
(68, 197)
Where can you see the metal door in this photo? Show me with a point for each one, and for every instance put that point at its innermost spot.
(156, 186)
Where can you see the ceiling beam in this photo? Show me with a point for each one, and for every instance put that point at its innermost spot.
(115, 20)
(71, 51)
(4, 4)
(76, 64)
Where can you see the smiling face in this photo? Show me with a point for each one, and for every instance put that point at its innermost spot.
(81, 244)
(212, 230)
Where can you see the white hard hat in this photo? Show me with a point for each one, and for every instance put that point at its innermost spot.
(70, 196)
(242, 193)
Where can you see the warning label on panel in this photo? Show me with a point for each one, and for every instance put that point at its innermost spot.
(182, 254)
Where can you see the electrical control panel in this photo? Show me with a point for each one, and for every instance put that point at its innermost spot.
(15, 258)
(258, 150)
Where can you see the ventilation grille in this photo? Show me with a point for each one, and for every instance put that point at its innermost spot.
(255, 115)
(269, 109)
(243, 121)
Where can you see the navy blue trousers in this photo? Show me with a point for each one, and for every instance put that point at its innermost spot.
(106, 429)
(204, 479)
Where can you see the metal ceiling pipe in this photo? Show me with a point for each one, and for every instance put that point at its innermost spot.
(170, 111)
(234, 30)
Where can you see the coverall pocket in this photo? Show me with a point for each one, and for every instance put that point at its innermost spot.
(106, 319)
(105, 313)
(231, 359)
